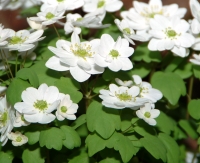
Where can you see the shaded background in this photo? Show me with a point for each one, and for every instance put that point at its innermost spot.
(8, 18)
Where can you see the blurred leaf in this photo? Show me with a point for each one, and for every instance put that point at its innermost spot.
(196, 71)
(194, 109)
(32, 156)
(5, 157)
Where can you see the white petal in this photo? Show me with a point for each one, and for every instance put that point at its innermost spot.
(79, 74)
(46, 118)
(137, 79)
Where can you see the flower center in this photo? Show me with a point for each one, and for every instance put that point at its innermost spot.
(79, 19)
(114, 53)
(3, 119)
(49, 15)
(147, 114)
(63, 109)
(18, 139)
(16, 40)
(127, 30)
(60, 0)
(41, 105)
(100, 4)
(22, 118)
(82, 51)
(124, 96)
(171, 33)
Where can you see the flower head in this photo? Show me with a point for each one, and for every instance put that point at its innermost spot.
(17, 138)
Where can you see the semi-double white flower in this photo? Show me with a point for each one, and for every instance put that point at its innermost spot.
(148, 114)
(4, 34)
(17, 138)
(49, 16)
(38, 104)
(23, 40)
(75, 56)
(170, 34)
(121, 97)
(196, 59)
(146, 90)
(66, 109)
(114, 55)
(6, 119)
(106, 5)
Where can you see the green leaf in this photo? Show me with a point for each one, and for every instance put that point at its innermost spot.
(28, 74)
(170, 84)
(45, 75)
(31, 11)
(154, 146)
(162, 120)
(174, 64)
(173, 152)
(103, 120)
(32, 156)
(194, 109)
(99, 84)
(110, 160)
(69, 86)
(79, 121)
(188, 128)
(72, 138)
(141, 69)
(83, 158)
(196, 71)
(111, 75)
(126, 116)
(82, 130)
(142, 128)
(184, 70)
(5, 157)
(52, 138)
(143, 53)
(15, 89)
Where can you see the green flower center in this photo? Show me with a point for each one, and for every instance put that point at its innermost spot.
(4, 118)
(60, 0)
(82, 51)
(79, 19)
(16, 40)
(18, 139)
(22, 118)
(41, 105)
(147, 114)
(49, 15)
(127, 30)
(100, 4)
(124, 96)
(63, 109)
(114, 53)
(171, 33)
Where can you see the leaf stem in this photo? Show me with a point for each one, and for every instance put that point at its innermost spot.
(190, 89)
(56, 31)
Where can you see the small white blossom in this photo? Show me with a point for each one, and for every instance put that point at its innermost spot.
(49, 16)
(121, 97)
(66, 109)
(128, 83)
(148, 114)
(75, 56)
(19, 120)
(170, 34)
(114, 55)
(196, 59)
(35, 24)
(38, 104)
(6, 119)
(146, 90)
(17, 138)
(4, 34)
(23, 40)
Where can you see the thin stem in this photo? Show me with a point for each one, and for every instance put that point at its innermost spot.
(56, 31)
(24, 61)
(127, 129)
(190, 89)
(8, 65)
(16, 65)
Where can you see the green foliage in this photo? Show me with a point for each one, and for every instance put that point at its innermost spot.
(79, 121)
(33, 156)
(52, 138)
(109, 160)
(170, 84)
(194, 109)
(102, 120)
(15, 89)
(5, 157)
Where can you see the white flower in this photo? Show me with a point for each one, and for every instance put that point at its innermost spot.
(6, 119)
(148, 114)
(107, 5)
(128, 83)
(49, 16)
(23, 40)
(35, 24)
(67, 4)
(17, 138)
(128, 32)
(114, 55)
(4, 34)
(140, 15)
(66, 109)
(19, 120)
(190, 156)
(75, 56)
(121, 97)
(196, 59)
(195, 24)
(38, 104)
(170, 34)
(29, 54)
(146, 90)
